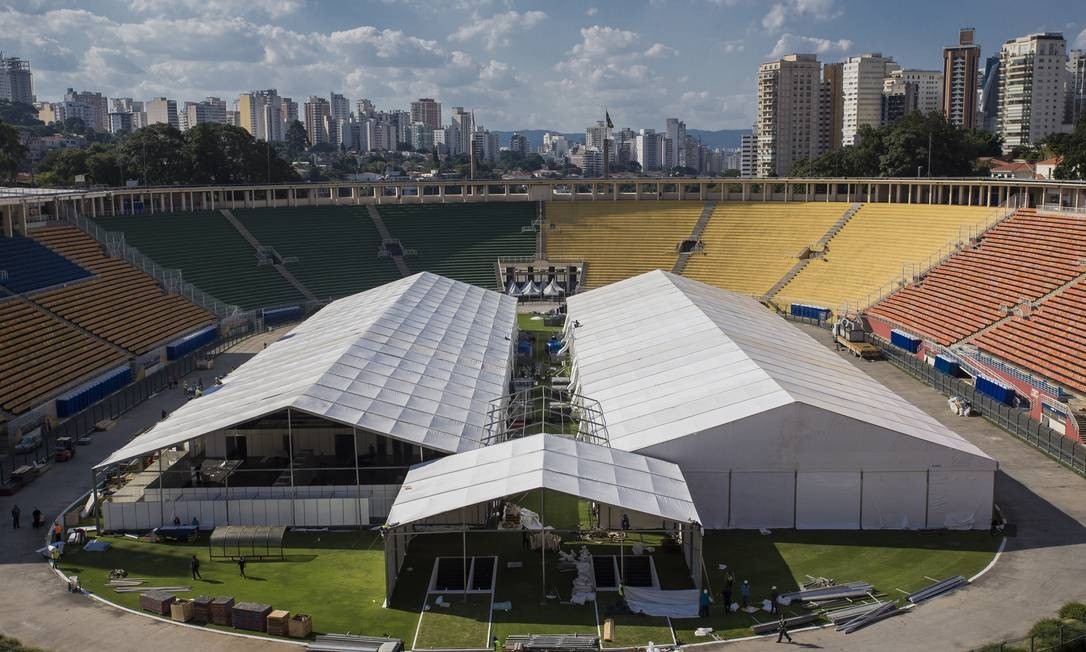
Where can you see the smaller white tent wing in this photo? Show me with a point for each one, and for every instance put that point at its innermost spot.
(619, 478)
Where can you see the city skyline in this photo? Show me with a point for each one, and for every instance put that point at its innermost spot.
(522, 65)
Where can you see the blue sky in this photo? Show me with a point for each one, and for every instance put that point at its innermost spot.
(545, 65)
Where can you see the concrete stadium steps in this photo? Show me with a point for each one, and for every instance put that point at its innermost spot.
(1022, 258)
(873, 248)
(618, 240)
(749, 247)
(462, 241)
(336, 247)
(210, 253)
(695, 235)
(41, 355)
(121, 304)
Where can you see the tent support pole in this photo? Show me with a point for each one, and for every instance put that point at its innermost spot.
(357, 478)
(290, 452)
(542, 545)
(464, 542)
(94, 505)
(161, 492)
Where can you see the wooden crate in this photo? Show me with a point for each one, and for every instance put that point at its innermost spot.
(301, 626)
(252, 616)
(201, 613)
(157, 602)
(278, 621)
(182, 610)
(222, 611)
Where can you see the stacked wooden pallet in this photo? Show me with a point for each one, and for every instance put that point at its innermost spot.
(201, 613)
(278, 622)
(157, 602)
(301, 626)
(221, 611)
(252, 616)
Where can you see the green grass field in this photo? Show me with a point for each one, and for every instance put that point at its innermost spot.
(338, 578)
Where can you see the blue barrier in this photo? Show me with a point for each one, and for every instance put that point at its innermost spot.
(281, 315)
(995, 390)
(903, 340)
(948, 366)
(817, 313)
(189, 343)
(80, 398)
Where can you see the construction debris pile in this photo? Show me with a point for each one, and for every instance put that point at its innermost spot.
(584, 584)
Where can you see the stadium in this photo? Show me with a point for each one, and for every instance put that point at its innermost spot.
(444, 367)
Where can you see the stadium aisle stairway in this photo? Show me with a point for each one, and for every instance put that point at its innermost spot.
(462, 241)
(40, 355)
(1024, 257)
(1050, 343)
(618, 240)
(873, 247)
(210, 253)
(750, 246)
(336, 247)
(121, 304)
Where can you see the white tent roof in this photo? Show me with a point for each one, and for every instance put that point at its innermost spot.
(667, 356)
(613, 477)
(418, 359)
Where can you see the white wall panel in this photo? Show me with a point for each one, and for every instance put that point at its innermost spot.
(762, 499)
(894, 500)
(827, 501)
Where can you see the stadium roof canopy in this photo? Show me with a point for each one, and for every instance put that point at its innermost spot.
(590, 471)
(418, 360)
(668, 357)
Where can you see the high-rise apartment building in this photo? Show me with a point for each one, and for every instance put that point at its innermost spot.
(675, 130)
(748, 155)
(960, 68)
(928, 86)
(120, 123)
(647, 149)
(518, 142)
(261, 113)
(162, 110)
(1076, 95)
(787, 113)
(427, 111)
(16, 80)
(988, 97)
(317, 113)
(339, 106)
(596, 134)
(288, 112)
(861, 88)
(464, 122)
(211, 109)
(830, 107)
(1033, 81)
(98, 116)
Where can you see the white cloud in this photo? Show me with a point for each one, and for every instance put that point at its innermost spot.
(597, 41)
(591, 11)
(1080, 41)
(494, 32)
(791, 43)
(784, 10)
(389, 47)
(731, 47)
(659, 51)
(271, 8)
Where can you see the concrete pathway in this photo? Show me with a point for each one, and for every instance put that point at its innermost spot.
(37, 609)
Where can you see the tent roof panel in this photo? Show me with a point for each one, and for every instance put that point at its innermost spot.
(387, 360)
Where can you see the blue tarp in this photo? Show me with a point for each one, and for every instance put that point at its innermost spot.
(903, 340)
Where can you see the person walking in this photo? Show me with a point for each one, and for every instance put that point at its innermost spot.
(744, 593)
(241, 566)
(729, 579)
(782, 629)
(15, 512)
(36, 515)
(703, 605)
(194, 566)
(773, 595)
(525, 538)
(58, 532)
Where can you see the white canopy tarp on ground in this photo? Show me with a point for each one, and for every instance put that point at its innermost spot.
(681, 603)
(618, 478)
(418, 360)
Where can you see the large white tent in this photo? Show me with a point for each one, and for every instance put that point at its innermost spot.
(770, 428)
(418, 360)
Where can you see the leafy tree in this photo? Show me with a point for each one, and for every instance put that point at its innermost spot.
(75, 125)
(19, 114)
(12, 151)
(296, 139)
(154, 155)
(323, 148)
(1072, 149)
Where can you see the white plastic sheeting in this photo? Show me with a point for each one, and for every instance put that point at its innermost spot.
(619, 478)
(682, 603)
(418, 360)
(946, 507)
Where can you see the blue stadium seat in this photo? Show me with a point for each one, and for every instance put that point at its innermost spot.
(26, 265)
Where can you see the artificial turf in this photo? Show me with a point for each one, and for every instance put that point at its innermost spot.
(338, 578)
(462, 623)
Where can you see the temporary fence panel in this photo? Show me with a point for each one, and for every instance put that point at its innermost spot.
(970, 494)
(995, 389)
(762, 499)
(311, 512)
(894, 500)
(191, 342)
(947, 365)
(827, 501)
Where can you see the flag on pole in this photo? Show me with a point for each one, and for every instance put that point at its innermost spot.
(610, 125)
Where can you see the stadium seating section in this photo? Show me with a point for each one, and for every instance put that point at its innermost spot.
(1024, 257)
(749, 247)
(211, 254)
(462, 241)
(618, 240)
(121, 304)
(872, 248)
(40, 355)
(29, 266)
(1051, 342)
(336, 247)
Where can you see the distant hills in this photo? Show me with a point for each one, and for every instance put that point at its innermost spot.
(714, 139)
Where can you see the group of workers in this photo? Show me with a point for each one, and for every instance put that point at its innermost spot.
(744, 602)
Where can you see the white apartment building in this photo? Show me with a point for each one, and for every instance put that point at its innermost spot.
(261, 114)
(928, 84)
(1033, 82)
(748, 155)
(555, 146)
(675, 130)
(97, 116)
(647, 149)
(861, 89)
(786, 125)
(162, 110)
(339, 106)
(1076, 97)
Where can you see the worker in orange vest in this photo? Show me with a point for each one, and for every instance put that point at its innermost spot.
(58, 532)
